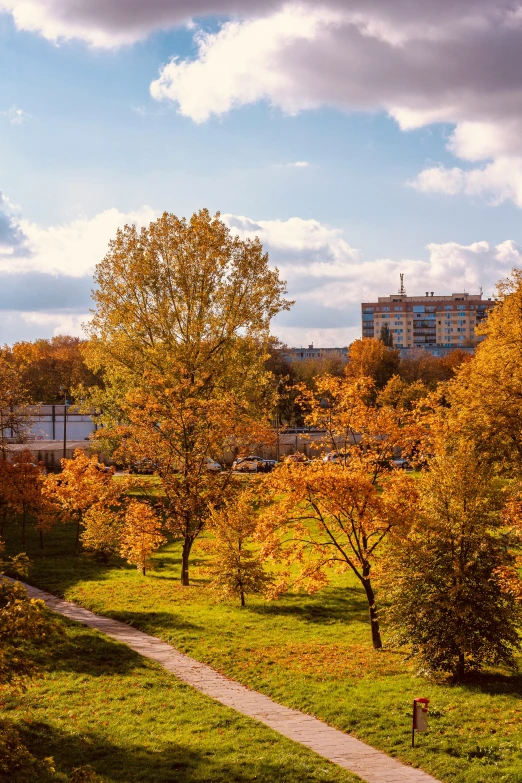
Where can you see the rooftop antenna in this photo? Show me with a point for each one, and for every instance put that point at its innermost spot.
(402, 290)
(481, 290)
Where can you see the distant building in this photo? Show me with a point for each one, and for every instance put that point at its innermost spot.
(437, 324)
(302, 354)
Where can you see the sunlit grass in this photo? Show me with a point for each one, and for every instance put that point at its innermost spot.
(309, 652)
(98, 703)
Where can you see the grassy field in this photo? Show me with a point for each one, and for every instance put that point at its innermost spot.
(97, 703)
(309, 652)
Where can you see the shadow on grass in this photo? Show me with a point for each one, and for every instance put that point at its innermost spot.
(154, 620)
(336, 604)
(493, 683)
(176, 764)
(87, 653)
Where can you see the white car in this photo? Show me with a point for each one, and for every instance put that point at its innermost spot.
(336, 456)
(213, 466)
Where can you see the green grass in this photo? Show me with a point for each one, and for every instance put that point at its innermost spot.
(309, 652)
(98, 703)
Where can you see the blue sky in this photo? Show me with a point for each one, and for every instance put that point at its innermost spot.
(347, 157)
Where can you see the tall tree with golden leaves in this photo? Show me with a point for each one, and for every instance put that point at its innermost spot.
(182, 317)
(486, 395)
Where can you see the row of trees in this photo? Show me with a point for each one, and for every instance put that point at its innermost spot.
(107, 518)
(185, 368)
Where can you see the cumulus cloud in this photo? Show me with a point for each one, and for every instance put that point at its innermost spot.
(15, 325)
(423, 62)
(13, 241)
(46, 276)
(329, 278)
(71, 249)
(500, 180)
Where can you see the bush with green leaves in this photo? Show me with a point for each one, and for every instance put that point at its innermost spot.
(444, 577)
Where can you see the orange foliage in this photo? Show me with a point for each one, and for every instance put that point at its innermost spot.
(141, 535)
(330, 515)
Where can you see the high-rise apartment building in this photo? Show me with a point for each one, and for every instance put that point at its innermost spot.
(430, 322)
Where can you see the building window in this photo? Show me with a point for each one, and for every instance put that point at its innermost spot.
(461, 307)
(448, 307)
(368, 310)
(386, 309)
(418, 308)
(397, 308)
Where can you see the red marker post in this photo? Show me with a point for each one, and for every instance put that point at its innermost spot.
(419, 717)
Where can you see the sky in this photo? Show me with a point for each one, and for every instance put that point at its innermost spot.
(357, 138)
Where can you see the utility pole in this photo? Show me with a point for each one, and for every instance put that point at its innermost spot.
(65, 423)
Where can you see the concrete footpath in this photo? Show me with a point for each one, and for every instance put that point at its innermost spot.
(371, 765)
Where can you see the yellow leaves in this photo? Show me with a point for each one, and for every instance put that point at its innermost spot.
(236, 569)
(317, 661)
(82, 483)
(327, 514)
(141, 535)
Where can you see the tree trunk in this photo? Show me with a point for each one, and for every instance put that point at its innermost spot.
(187, 546)
(41, 540)
(461, 667)
(77, 535)
(374, 620)
(23, 528)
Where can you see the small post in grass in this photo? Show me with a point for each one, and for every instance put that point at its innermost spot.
(419, 717)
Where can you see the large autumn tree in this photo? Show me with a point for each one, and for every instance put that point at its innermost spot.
(182, 317)
(486, 395)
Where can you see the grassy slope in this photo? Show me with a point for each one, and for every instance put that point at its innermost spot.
(312, 653)
(98, 703)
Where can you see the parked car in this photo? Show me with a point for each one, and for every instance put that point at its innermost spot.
(144, 467)
(402, 464)
(254, 464)
(297, 457)
(336, 456)
(213, 466)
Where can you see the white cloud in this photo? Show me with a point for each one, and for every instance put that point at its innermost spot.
(296, 241)
(326, 276)
(240, 64)
(296, 164)
(58, 323)
(15, 116)
(73, 248)
(15, 325)
(322, 338)
(329, 279)
(451, 61)
(500, 180)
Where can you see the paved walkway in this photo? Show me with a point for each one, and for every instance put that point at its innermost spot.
(336, 746)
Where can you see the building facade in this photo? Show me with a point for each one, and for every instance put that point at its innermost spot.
(302, 354)
(434, 323)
